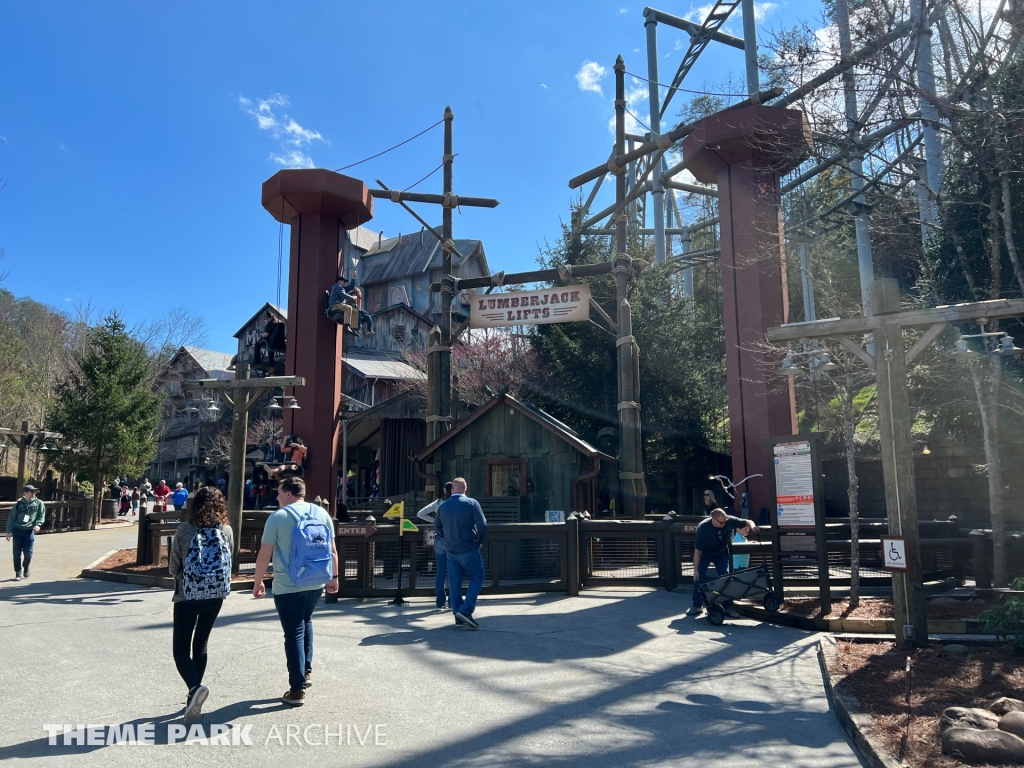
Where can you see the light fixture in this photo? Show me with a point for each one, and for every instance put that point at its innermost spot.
(293, 404)
(789, 368)
(963, 352)
(823, 363)
(927, 451)
(1007, 347)
(274, 405)
(3, 441)
(212, 409)
(191, 410)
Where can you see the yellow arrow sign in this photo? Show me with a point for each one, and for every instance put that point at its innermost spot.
(397, 510)
(407, 525)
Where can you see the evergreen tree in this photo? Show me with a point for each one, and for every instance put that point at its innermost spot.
(105, 408)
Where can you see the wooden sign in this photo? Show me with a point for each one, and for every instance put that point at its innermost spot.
(539, 307)
(366, 531)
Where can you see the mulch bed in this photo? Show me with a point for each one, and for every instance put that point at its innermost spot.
(875, 608)
(875, 674)
(123, 561)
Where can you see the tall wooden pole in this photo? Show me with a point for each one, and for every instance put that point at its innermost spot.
(894, 423)
(22, 457)
(631, 472)
(236, 466)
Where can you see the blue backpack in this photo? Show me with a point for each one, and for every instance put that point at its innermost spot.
(207, 570)
(311, 563)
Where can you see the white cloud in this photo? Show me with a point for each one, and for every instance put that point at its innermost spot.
(544, 86)
(293, 159)
(623, 10)
(764, 9)
(4, 140)
(678, 45)
(289, 132)
(699, 14)
(590, 76)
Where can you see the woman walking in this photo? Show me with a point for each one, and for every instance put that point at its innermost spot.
(429, 513)
(124, 506)
(200, 563)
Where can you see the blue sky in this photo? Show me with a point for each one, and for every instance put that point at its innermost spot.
(133, 153)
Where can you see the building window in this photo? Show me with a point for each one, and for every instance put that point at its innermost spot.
(398, 333)
(505, 477)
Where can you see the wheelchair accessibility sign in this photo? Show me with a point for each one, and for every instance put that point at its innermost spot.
(894, 553)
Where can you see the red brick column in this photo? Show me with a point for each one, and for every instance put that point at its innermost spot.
(745, 151)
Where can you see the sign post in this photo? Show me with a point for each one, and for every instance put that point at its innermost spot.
(798, 516)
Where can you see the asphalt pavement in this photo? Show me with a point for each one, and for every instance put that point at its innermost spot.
(610, 678)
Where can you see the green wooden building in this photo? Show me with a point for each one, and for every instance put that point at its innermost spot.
(507, 448)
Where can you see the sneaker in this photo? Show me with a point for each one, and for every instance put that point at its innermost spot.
(442, 609)
(295, 698)
(195, 703)
(17, 577)
(732, 613)
(695, 611)
(26, 571)
(468, 620)
(309, 680)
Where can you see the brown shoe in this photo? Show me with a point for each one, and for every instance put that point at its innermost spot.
(295, 698)
(309, 679)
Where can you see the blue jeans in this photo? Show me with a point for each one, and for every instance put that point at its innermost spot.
(721, 563)
(295, 610)
(441, 556)
(23, 542)
(471, 564)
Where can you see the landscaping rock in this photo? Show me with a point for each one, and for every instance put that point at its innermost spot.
(943, 601)
(969, 717)
(1005, 704)
(1012, 722)
(988, 746)
(956, 649)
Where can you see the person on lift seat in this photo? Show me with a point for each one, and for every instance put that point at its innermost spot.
(344, 305)
(270, 349)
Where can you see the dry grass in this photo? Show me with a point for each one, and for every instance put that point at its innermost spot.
(874, 673)
(880, 608)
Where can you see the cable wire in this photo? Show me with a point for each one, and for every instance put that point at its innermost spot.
(371, 157)
(641, 122)
(416, 184)
(689, 90)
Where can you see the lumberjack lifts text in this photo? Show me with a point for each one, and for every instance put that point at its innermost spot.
(531, 307)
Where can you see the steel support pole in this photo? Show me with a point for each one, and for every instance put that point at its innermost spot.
(856, 161)
(23, 459)
(657, 190)
(750, 47)
(810, 313)
(687, 240)
(631, 476)
(931, 173)
(236, 463)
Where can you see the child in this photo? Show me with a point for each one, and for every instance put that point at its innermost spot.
(136, 497)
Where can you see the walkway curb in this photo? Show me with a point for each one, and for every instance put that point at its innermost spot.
(141, 580)
(847, 709)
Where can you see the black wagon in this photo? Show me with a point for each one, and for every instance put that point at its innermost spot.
(749, 583)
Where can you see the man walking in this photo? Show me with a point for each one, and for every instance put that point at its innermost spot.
(461, 523)
(23, 524)
(300, 538)
(711, 547)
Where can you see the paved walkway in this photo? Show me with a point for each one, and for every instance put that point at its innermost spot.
(611, 678)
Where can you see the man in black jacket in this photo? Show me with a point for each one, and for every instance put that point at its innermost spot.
(711, 547)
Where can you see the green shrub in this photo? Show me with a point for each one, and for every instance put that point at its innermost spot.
(1006, 620)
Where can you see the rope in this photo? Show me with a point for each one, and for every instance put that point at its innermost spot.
(389, 149)
(416, 184)
(688, 90)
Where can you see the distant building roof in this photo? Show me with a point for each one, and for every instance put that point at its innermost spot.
(283, 313)
(412, 255)
(373, 364)
(363, 238)
(210, 361)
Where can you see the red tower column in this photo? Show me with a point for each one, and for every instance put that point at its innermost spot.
(745, 151)
(319, 205)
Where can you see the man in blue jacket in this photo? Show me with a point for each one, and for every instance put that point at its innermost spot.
(461, 523)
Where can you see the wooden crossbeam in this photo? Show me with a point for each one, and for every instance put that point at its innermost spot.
(270, 382)
(448, 201)
(949, 313)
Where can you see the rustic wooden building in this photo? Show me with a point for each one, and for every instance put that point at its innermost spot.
(507, 448)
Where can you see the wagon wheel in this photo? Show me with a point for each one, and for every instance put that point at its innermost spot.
(771, 602)
(716, 615)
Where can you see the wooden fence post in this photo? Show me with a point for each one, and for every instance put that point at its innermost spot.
(572, 548)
